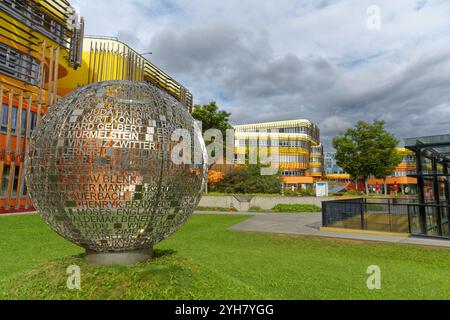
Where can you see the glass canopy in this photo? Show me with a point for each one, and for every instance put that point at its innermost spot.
(438, 145)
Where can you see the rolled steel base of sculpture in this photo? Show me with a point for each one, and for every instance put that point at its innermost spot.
(100, 169)
(118, 258)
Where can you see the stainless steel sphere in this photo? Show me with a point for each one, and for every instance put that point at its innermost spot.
(100, 167)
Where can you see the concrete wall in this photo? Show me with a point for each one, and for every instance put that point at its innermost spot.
(266, 203)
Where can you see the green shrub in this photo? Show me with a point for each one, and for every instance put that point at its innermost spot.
(222, 194)
(248, 179)
(353, 193)
(216, 209)
(340, 194)
(296, 208)
(300, 193)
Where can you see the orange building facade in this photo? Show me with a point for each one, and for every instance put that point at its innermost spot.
(38, 45)
(43, 56)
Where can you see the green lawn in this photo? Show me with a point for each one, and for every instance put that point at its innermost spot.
(206, 261)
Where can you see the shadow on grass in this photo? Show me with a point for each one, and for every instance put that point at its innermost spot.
(157, 254)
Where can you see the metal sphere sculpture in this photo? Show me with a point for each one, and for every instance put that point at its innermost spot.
(100, 167)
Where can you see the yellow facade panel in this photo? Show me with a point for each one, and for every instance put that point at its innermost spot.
(106, 59)
(59, 9)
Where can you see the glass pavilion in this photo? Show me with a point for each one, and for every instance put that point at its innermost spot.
(432, 215)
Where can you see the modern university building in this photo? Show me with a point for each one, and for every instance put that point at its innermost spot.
(43, 56)
(297, 142)
(303, 161)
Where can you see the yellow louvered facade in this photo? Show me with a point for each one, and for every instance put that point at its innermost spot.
(297, 142)
(105, 58)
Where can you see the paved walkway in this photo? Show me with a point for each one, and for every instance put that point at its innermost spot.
(229, 213)
(16, 214)
(309, 224)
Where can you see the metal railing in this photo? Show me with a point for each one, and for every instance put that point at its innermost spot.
(389, 215)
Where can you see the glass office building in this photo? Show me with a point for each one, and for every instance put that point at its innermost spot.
(330, 164)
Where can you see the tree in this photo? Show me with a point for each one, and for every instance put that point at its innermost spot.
(367, 150)
(247, 179)
(390, 163)
(211, 117)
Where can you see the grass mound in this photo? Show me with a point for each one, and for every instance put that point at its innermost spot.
(168, 276)
(206, 260)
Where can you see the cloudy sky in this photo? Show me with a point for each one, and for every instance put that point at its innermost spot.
(324, 60)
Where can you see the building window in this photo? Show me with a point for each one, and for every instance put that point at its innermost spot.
(293, 173)
(32, 16)
(16, 182)
(33, 122)
(23, 126)
(304, 130)
(18, 65)
(14, 120)
(5, 179)
(409, 159)
(4, 119)
(19, 6)
(24, 189)
(14, 116)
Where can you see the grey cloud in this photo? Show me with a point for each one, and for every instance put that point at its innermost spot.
(214, 49)
(271, 61)
(258, 86)
(334, 124)
(129, 38)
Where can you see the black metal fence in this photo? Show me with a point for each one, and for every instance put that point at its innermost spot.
(375, 214)
(389, 215)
